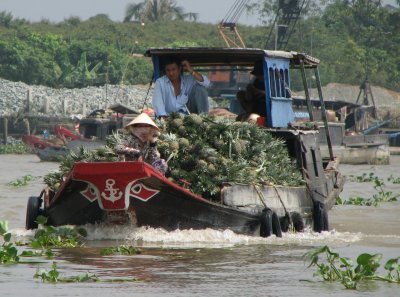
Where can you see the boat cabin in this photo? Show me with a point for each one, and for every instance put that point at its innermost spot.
(302, 141)
(276, 68)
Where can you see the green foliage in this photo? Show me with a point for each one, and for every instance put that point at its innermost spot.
(363, 178)
(23, 181)
(348, 38)
(203, 152)
(48, 253)
(342, 269)
(8, 251)
(17, 148)
(53, 276)
(156, 10)
(49, 236)
(120, 250)
(393, 179)
(54, 179)
(380, 196)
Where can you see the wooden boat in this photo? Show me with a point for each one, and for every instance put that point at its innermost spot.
(64, 133)
(134, 192)
(38, 142)
(46, 149)
(354, 139)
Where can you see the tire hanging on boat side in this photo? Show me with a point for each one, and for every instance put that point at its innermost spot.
(276, 225)
(320, 216)
(32, 212)
(297, 221)
(266, 223)
(285, 222)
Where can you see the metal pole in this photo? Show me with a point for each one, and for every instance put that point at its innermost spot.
(276, 36)
(323, 113)
(307, 94)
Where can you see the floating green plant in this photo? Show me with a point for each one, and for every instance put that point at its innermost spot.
(363, 178)
(393, 179)
(335, 268)
(54, 276)
(49, 236)
(8, 251)
(120, 250)
(23, 181)
(380, 196)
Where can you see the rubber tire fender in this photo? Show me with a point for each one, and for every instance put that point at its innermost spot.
(32, 212)
(276, 225)
(320, 216)
(266, 222)
(285, 222)
(298, 222)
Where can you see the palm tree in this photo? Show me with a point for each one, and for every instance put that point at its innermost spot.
(157, 10)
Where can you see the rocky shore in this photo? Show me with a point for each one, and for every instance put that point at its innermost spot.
(18, 97)
(68, 102)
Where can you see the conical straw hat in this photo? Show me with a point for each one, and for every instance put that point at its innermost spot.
(142, 119)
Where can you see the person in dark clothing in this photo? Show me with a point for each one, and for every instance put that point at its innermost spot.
(253, 99)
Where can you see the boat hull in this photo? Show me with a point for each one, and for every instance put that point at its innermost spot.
(149, 199)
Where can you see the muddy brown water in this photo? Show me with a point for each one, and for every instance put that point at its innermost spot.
(203, 262)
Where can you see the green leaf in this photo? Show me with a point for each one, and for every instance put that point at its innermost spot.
(41, 220)
(364, 259)
(392, 264)
(3, 227)
(7, 237)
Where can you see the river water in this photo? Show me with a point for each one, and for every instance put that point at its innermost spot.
(205, 262)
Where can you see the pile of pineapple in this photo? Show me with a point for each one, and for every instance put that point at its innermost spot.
(203, 152)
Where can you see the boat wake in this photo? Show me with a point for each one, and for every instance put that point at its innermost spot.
(157, 237)
(151, 237)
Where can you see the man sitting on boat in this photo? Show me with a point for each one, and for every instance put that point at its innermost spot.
(140, 144)
(253, 99)
(175, 92)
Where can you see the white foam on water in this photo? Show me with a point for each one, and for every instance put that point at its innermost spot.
(157, 237)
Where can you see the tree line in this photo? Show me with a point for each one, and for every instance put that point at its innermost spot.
(352, 38)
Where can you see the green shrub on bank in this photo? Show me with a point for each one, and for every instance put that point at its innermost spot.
(18, 148)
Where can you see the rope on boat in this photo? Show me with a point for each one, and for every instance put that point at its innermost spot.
(280, 199)
(148, 90)
(260, 195)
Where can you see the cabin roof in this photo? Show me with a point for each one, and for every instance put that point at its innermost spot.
(212, 56)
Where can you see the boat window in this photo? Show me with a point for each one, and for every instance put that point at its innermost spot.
(282, 83)
(277, 87)
(272, 81)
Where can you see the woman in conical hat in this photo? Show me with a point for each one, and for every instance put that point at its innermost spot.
(141, 143)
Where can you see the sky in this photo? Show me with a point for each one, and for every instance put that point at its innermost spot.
(210, 11)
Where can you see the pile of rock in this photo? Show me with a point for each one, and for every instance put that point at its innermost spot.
(17, 96)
